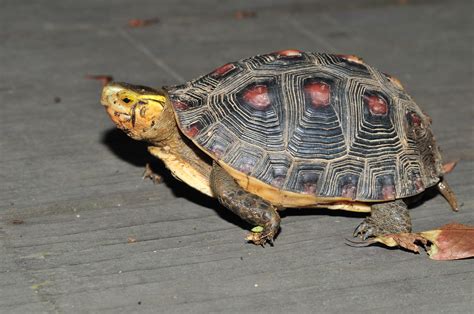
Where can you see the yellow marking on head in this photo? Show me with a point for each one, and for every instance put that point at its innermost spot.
(158, 98)
(133, 108)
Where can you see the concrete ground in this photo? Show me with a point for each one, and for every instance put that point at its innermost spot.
(80, 231)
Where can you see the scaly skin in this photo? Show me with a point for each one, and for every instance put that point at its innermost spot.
(385, 218)
(247, 206)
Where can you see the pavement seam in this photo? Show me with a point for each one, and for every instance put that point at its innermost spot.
(147, 52)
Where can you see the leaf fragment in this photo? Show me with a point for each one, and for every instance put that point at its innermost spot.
(135, 23)
(451, 241)
(449, 166)
(104, 79)
(448, 242)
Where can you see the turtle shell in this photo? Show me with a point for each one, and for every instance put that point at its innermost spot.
(312, 123)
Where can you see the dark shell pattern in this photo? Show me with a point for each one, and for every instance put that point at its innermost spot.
(312, 123)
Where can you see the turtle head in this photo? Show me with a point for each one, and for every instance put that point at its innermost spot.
(135, 109)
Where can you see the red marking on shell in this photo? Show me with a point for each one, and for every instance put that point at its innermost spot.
(419, 185)
(217, 150)
(349, 191)
(388, 192)
(278, 181)
(319, 92)
(351, 58)
(309, 188)
(289, 53)
(246, 168)
(414, 118)
(377, 105)
(257, 97)
(223, 70)
(193, 129)
(180, 105)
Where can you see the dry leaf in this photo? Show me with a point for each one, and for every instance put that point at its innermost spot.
(449, 166)
(104, 79)
(142, 22)
(244, 14)
(449, 242)
(131, 240)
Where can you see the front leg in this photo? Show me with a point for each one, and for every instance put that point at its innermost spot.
(385, 218)
(250, 207)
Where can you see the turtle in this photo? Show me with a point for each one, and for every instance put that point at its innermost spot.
(290, 129)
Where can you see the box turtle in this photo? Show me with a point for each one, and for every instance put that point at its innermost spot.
(290, 129)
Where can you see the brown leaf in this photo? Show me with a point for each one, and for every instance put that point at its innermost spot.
(449, 166)
(131, 240)
(244, 14)
(449, 242)
(104, 79)
(142, 22)
(405, 240)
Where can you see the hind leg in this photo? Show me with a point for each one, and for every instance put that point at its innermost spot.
(385, 218)
(247, 206)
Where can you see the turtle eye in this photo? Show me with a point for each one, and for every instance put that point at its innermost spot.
(126, 100)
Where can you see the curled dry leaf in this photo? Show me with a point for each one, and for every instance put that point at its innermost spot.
(449, 242)
(104, 79)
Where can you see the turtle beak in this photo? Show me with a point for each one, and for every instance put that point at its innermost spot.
(109, 98)
(119, 108)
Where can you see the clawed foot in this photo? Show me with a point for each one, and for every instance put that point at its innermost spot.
(261, 238)
(385, 218)
(150, 174)
(366, 229)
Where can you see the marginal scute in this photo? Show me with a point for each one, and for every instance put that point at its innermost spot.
(348, 185)
(289, 53)
(223, 70)
(352, 58)
(396, 82)
(385, 186)
(313, 124)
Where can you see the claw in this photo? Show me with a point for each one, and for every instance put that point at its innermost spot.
(365, 230)
(359, 229)
(368, 233)
(359, 243)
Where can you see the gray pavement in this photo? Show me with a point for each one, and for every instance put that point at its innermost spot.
(72, 197)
